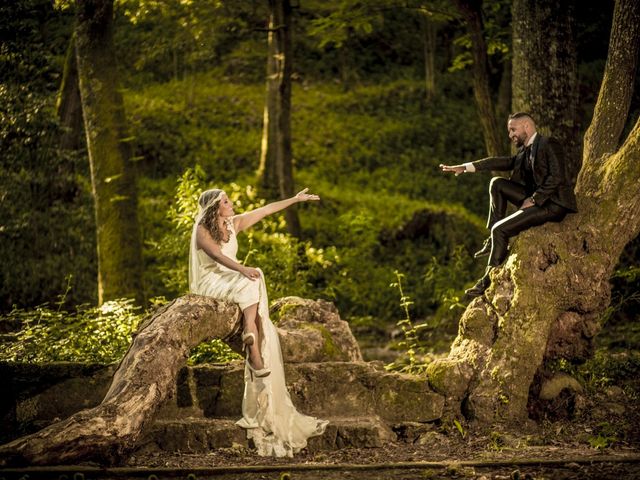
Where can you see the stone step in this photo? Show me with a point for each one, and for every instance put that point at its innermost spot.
(196, 435)
(41, 394)
(328, 389)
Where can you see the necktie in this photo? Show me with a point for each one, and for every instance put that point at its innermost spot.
(528, 155)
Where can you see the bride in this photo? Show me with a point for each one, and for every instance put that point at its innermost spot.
(271, 420)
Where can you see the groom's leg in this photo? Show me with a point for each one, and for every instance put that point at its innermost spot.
(501, 191)
(518, 222)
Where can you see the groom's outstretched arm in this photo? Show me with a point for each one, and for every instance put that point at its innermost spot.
(456, 169)
(490, 163)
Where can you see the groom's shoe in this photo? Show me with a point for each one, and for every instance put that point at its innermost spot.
(485, 250)
(481, 285)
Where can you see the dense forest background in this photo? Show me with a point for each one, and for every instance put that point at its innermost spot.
(382, 94)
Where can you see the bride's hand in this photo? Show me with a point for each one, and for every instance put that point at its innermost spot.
(250, 272)
(303, 196)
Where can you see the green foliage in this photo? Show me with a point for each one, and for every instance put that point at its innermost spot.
(459, 427)
(46, 218)
(497, 34)
(198, 121)
(607, 368)
(606, 436)
(215, 351)
(409, 344)
(409, 362)
(444, 281)
(89, 334)
(173, 39)
(625, 297)
(34, 39)
(385, 138)
(47, 222)
(347, 19)
(167, 239)
(367, 38)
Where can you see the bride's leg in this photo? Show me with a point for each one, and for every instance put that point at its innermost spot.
(259, 328)
(251, 325)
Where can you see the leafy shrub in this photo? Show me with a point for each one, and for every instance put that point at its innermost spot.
(215, 351)
(89, 334)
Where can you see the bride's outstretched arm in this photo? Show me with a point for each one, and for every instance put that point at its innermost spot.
(211, 248)
(247, 219)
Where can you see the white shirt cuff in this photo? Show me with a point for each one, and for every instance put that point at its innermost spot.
(468, 167)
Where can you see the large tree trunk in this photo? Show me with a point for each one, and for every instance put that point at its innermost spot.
(112, 176)
(546, 301)
(545, 71)
(471, 11)
(276, 159)
(145, 378)
(69, 105)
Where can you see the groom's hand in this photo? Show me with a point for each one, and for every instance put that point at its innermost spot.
(457, 169)
(528, 202)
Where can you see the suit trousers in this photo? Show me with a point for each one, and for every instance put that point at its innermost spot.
(502, 228)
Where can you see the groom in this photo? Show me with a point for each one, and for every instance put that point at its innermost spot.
(538, 185)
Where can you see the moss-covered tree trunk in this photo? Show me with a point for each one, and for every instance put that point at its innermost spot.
(112, 175)
(546, 301)
(545, 71)
(145, 378)
(276, 159)
(471, 11)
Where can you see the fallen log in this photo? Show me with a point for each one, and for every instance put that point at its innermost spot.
(145, 378)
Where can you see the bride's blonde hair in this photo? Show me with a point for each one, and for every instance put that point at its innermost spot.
(209, 202)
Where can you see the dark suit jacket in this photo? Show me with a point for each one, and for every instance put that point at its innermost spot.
(550, 174)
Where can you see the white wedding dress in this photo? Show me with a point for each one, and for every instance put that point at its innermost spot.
(272, 422)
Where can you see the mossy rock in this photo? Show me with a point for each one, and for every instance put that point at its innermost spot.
(312, 331)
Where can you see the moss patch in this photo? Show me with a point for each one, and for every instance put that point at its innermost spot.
(329, 348)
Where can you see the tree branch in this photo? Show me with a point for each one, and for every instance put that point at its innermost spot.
(615, 95)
